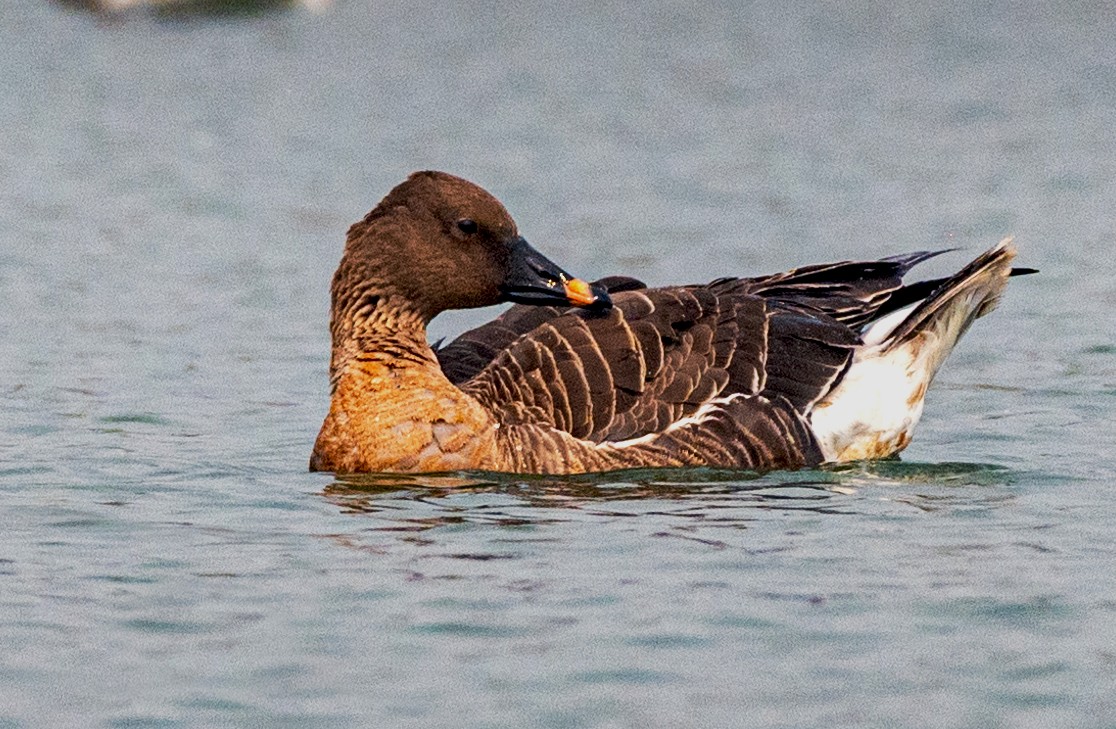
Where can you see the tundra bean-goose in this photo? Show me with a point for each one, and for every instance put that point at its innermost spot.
(825, 363)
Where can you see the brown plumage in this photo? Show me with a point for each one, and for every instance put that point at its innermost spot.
(740, 373)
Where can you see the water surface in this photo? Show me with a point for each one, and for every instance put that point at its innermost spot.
(175, 196)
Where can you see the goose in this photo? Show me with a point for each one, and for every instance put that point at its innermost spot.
(821, 364)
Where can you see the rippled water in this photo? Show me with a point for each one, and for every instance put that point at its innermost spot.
(175, 194)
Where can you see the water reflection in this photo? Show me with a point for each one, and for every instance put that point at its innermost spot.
(364, 492)
(836, 489)
(490, 527)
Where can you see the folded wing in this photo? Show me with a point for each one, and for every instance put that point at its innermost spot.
(695, 366)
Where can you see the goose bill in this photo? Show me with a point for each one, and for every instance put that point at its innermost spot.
(535, 279)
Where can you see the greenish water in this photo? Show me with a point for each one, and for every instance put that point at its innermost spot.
(175, 194)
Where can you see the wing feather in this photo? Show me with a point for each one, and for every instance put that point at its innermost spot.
(724, 373)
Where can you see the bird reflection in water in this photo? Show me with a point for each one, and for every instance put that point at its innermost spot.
(835, 489)
(457, 512)
(370, 493)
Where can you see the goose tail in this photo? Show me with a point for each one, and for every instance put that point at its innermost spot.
(950, 310)
(872, 411)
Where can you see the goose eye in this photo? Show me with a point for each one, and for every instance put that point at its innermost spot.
(467, 226)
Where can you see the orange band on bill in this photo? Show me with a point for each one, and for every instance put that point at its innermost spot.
(578, 292)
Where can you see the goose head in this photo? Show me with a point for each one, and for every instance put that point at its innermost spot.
(439, 242)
